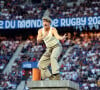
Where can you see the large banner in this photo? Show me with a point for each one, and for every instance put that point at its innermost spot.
(37, 23)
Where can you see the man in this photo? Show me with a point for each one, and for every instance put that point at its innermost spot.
(51, 38)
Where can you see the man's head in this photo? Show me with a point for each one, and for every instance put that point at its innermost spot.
(46, 21)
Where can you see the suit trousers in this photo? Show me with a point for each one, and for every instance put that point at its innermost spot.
(50, 57)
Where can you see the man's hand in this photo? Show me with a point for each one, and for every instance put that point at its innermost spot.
(55, 33)
(64, 37)
(41, 36)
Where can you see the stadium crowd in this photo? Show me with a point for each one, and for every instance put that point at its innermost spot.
(10, 81)
(60, 9)
(7, 49)
(18, 9)
(82, 64)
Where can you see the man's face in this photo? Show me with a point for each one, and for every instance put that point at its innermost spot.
(46, 24)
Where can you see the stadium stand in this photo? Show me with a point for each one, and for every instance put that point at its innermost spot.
(83, 62)
(80, 59)
(7, 48)
(58, 9)
(80, 65)
(17, 9)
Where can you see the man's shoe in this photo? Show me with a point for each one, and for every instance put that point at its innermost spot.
(56, 77)
(51, 77)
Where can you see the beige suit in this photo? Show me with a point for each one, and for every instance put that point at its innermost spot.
(50, 56)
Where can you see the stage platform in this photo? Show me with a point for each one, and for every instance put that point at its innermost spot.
(53, 85)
